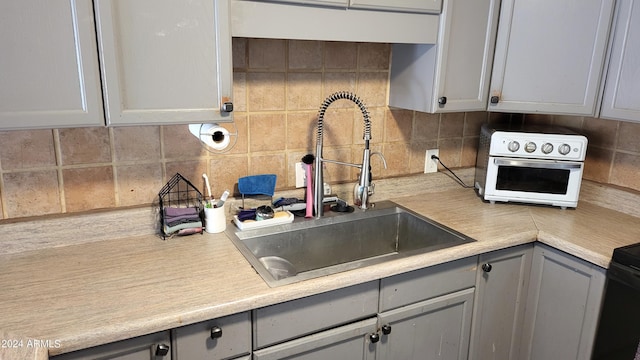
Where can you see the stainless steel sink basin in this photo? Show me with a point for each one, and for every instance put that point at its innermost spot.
(309, 248)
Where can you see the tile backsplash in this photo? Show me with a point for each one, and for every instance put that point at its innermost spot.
(278, 88)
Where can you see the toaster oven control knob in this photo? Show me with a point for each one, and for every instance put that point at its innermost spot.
(564, 149)
(513, 146)
(530, 147)
(547, 148)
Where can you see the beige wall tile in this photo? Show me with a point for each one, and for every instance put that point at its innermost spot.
(338, 126)
(597, 164)
(266, 91)
(338, 82)
(599, 132)
(473, 121)
(341, 55)
(571, 122)
(337, 173)
(374, 56)
(267, 54)
(304, 91)
(398, 157)
(85, 146)
(178, 142)
(451, 125)
(31, 193)
(242, 127)
(88, 188)
(26, 149)
(372, 88)
(450, 152)
(270, 163)
(629, 137)
(137, 143)
(267, 132)
(426, 126)
(377, 115)
(305, 54)
(540, 119)
(225, 172)
(625, 170)
(239, 53)
(469, 151)
(239, 92)
(302, 131)
(398, 125)
(138, 184)
(191, 170)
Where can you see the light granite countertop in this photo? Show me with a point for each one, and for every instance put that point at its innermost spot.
(79, 294)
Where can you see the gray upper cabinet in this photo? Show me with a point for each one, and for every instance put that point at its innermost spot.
(49, 72)
(549, 56)
(501, 291)
(621, 98)
(333, 20)
(165, 61)
(454, 74)
(563, 304)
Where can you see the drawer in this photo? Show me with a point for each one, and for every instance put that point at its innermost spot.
(296, 318)
(427, 283)
(221, 338)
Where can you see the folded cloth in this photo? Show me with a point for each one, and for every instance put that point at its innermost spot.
(172, 229)
(177, 221)
(264, 184)
(173, 211)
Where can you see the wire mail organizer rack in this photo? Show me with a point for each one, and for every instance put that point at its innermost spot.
(179, 192)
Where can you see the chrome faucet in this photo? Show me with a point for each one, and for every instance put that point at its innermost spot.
(364, 188)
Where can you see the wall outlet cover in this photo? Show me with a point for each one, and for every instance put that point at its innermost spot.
(301, 175)
(431, 165)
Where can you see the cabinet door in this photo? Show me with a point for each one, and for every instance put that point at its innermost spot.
(49, 73)
(454, 74)
(346, 342)
(222, 338)
(622, 89)
(428, 6)
(342, 3)
(549, 56)
(501, 292)
(148, 347)
(165, 61)
(563, 304)
(433, 329)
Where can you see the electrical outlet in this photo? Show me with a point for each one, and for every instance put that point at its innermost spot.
(301, 175)
(431, 165)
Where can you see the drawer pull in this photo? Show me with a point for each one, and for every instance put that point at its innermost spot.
(162, 350)
(216, 332)
(487, 267)
(374, 338)
(386, 329)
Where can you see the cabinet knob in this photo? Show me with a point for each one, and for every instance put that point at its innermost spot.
(227, 107)
(162, 350)
(487, 267)
(494, 99)
(216, 332)
(375, 337)
(442, 100)
(386, 329)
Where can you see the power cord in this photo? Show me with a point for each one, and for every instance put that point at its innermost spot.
(434, 157)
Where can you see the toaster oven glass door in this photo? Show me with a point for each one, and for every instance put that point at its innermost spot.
(513, 179)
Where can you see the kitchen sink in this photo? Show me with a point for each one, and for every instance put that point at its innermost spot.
(310, 248)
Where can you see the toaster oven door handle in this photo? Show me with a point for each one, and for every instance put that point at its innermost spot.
(563, 165)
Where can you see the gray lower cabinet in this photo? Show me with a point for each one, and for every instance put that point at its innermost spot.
(563, 303)
(426, 314)
(155, 346)
(502, 282)
(350, 341)
(437, 328)
(224, 338)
